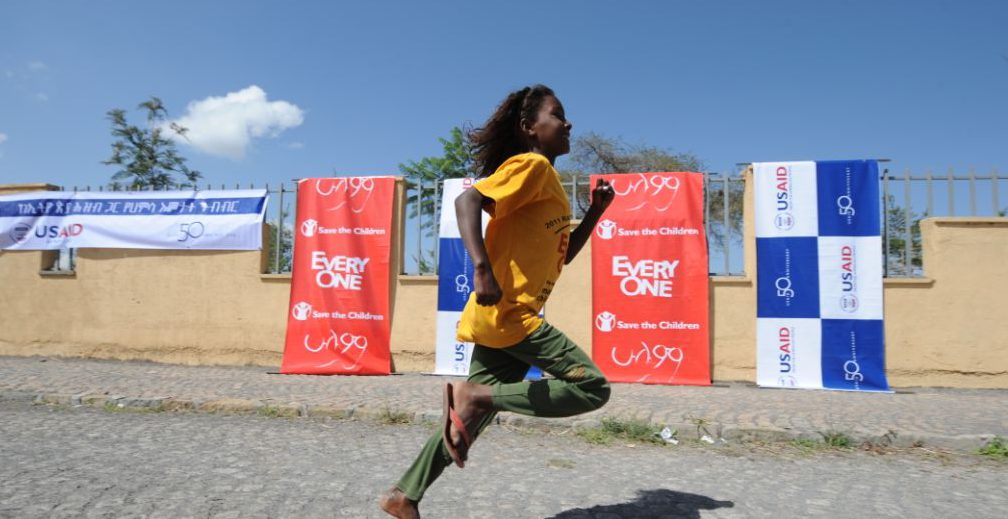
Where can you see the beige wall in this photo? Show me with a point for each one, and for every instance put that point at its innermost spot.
(216, 308)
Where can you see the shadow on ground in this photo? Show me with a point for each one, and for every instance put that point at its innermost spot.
(651, 504)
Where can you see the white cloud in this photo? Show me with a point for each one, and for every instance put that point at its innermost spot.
(295, 145)
(37, 65)
(225, 126)
(3, 137)
(41, 97)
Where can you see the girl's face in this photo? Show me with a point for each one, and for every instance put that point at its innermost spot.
(550, 133)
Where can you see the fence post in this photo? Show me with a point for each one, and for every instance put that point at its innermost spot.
(436, 224)
(706, 187)
(995, 199)
(907, 217)
(726, 238)
(972, 191)
(951, 192)
(279, 231)
(885, 222)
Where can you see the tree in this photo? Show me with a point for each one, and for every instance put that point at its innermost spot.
(146, 157)
(422, 178)
(595, 153)
(898, 241)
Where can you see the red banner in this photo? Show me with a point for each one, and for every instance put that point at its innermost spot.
(338, 320)
(649, 281)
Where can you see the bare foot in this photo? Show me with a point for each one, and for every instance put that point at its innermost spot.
(472, 402)
(396, 504)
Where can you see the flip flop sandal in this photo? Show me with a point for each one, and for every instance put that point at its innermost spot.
(449, 417)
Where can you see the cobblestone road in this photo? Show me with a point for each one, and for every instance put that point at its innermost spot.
(62, 461)
(960, 418)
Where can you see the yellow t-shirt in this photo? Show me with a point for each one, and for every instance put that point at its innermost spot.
(526, 240)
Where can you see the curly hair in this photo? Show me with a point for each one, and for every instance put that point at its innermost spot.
(501, 137)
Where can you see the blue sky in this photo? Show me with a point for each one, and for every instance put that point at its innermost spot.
(281, 90)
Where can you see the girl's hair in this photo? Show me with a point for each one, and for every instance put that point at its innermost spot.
(501, 137)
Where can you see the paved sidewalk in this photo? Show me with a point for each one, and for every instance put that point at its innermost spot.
(950, 418)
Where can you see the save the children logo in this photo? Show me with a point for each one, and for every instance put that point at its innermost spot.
(848, 280)
(356, 191)
(783, 219)
(605, 229)
(786, 357)
(605, 321)
(301, 311)
(658, 191)
(346, 272)
(644, 277)
(308, 228)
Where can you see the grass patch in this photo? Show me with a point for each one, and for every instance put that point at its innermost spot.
(270, 411)
(113, 407)
(995, 448)
(837, 440)
(806, 444)
(612, 429)
(394, 417)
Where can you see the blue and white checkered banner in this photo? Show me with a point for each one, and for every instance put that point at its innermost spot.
(455, 272)
(819, 276)
(47, 220)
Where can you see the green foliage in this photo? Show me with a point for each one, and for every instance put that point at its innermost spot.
(422, 177)
(146, 157)
(593, 153)
(614, 428)
(394, 417)
(286, 244)
(836, 439)
(896, 236)
(995, 448)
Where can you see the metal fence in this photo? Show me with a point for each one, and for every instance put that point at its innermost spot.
(723, 202)
(905, 200)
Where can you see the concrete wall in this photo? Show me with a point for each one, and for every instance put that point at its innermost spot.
(217, 308)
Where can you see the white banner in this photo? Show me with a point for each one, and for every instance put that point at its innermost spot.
(454, 284)
(49, 220)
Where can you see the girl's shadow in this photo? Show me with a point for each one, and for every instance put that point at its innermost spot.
(651, 504)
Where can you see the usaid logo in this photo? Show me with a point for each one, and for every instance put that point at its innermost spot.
(52, 231)
(605, 229)
(786, 357)
(309, 227)
(605, 321)
(20, 232)
(783, 283)
(845, 202)
(783, 220)
(301, 311)
(848, 280)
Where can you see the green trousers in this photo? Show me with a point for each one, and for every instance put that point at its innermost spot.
(577, 387)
